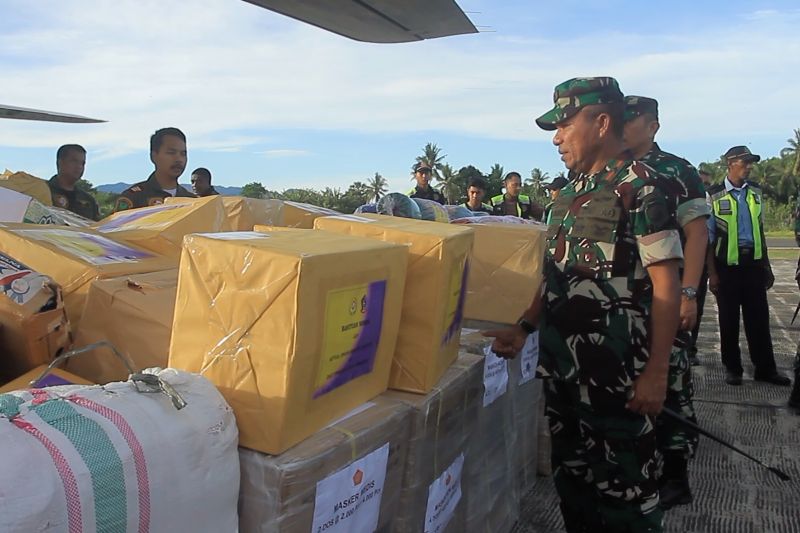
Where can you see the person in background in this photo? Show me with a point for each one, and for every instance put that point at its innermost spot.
(514, 203)
(201, 183)
(422, 173)
(554, 187)
(70, 165)
(739, 272)
(169, 156)
(476, 191)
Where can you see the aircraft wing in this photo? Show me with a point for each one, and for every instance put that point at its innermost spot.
(22, 113)
(378, 21)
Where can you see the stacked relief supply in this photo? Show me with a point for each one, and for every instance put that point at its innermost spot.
(443, 424)
(74, 257)
(134, 313)
(345, 478)
(295, 327)
(433, 303)
(161, 228)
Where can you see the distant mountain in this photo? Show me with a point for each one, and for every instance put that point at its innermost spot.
(120, 186)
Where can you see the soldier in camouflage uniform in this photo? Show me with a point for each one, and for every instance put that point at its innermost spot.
(607, 315)
(794, 397)
(676, 442)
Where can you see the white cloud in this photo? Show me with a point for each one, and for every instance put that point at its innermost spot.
(285, 153)
(217, 67)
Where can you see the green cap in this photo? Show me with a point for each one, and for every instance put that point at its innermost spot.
(569, 97)
(636, 106)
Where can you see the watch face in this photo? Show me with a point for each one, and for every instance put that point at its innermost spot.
(689, 292)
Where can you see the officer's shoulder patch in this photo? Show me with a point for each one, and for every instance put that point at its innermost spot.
(135, 188)
(60, 200)
(122, 204)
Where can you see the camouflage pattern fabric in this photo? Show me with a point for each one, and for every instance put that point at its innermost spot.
(604, 461)
(572, 95)
(691, 198)
(636, 106)
(604, 230)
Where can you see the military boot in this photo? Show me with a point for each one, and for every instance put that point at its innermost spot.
(674, 488)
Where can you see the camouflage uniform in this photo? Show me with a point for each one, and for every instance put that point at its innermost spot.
(680, 389)
(604, 230)
(147, 193)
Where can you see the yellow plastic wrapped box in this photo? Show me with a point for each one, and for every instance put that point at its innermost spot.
(433, 303)
(443, 423)
(161, 228)
(21, 208)
(134, 313)
(505, 271)
(27, 184)
(349, 473)
(294, 327)
(73, 257)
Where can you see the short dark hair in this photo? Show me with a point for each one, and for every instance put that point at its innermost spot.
(479, 183)
(615, 111)
(204, 172)
(511, 175)
(63, 151)
(158, 137)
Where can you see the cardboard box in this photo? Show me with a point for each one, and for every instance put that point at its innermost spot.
(435, 289)
(505, 271)
(54, 377)
(244, 213)
(442, 428)
(161, 228)
(134, 313)
(73, 257)
(21, 208)
(283, 493)
(27, 184)
(33, 324)
(293, 331)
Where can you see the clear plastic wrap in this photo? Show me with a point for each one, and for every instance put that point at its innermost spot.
(296, 327)
(443, 424)
(134, 313)
(161, 228)
(73, 257)
(455, 212)
(494, 219)
(279, 492)
(431, 210)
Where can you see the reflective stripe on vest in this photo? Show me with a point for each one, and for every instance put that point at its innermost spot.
(730, 226)
(499, 200)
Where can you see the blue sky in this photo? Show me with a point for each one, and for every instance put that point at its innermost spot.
(262, 97)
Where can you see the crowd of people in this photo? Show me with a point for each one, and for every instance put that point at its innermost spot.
(635, 235)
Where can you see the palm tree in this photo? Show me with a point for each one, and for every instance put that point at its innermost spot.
(533, 185)
(378, 186)
(449, 182)
(793, 152)
(432, 155)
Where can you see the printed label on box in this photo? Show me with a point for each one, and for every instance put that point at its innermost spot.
(443, 497)
(456, 294)
(94, 249)
(349, 501)
(145, 217)
(529, 358)
(495, 376)
(353, 322)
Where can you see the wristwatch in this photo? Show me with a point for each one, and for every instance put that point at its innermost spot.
(526, 326)
(689, 292)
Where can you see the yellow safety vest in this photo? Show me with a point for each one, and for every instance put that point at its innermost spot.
(725, 209)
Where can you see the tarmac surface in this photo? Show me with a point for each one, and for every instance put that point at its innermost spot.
(731, 493)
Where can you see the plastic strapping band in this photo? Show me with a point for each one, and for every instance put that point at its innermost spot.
(350, 435)
(436, 435)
